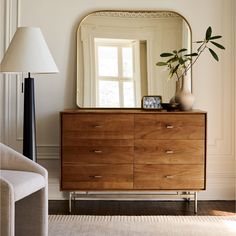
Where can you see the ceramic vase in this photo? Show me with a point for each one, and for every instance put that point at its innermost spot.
(185, 98)
(177, 90)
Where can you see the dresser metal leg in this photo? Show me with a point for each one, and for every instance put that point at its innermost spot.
(188, 196)
(195, 202)
(70, 197)
(188, 199)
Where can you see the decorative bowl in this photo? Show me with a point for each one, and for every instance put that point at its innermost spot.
(169, 106)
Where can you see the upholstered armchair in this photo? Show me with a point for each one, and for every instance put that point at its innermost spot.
(24, 200)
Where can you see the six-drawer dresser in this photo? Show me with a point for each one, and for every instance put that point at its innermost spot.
(133, 151)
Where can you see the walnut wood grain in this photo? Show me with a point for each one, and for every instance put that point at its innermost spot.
(98, 122)
(97, 151)
(74, 137)
(98, 154)
(132, 150)
(169, 177)
(97, 177)
(179, 126)
(169, 151)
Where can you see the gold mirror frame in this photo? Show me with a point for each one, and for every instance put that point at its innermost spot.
(80, 78)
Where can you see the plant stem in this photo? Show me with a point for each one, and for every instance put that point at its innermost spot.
(192, 63)
(177, 75)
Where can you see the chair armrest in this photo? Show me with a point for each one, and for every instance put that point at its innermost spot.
(12, 160)
(5, 187)
(6, 207)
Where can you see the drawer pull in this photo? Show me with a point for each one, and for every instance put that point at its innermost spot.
(97, 126)
(169, 176)
(95, 176)
(97, 151)
(169, 126)
(169, 151)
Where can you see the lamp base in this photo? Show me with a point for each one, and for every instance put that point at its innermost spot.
(29, 130)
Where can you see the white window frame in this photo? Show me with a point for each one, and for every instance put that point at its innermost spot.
(119, 44)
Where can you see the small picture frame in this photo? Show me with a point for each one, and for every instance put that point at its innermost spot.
(152, 102)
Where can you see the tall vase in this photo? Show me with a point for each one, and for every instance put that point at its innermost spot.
(185, 98)
(177, 90)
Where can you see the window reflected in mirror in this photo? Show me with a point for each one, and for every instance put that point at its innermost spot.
(116, 77)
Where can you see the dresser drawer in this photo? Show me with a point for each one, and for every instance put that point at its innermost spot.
(98, 126)
(169, 151)
(97, 177)
(170, 126)
(169, 177)
(98, 151)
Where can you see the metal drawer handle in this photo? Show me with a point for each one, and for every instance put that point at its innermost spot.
(95, 176)
(169, 126)
(169, 176)
(97, 151)
(97, 126)
(169, 151)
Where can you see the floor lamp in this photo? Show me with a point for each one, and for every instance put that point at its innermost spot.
(28, 53)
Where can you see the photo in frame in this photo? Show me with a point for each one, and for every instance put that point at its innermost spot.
(152, 102)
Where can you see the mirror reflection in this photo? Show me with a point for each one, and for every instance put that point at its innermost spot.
(117, 54)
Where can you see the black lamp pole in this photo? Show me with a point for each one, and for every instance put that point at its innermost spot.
(29, 130)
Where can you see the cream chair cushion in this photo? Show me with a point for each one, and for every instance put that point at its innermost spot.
(24, 183)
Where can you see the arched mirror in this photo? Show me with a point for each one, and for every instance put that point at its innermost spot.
(117, 52)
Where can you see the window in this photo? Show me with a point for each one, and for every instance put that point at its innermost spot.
(117, 83)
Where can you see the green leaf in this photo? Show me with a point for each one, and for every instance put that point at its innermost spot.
(166, 54)
(191, 55)
(171, 71)
(214, 54)
(161, 63)
(208, 33)
(215, 37)
(175, 52)
(218, 45)
(189, 59)
(175, 69)
(181, 61)
(198, 41)
(182, 50)
(173, 59)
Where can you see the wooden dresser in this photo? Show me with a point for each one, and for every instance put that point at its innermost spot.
(133, 149)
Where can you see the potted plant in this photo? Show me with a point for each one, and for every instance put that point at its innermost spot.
(178, 63)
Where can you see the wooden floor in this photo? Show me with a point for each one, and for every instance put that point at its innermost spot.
(213, 208)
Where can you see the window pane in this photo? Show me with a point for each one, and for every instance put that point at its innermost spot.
(108, 94)
(107, 61)
(127, 59)
(129, 99)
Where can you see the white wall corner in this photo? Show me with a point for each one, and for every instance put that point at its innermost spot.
(233, 9)
(2, 50)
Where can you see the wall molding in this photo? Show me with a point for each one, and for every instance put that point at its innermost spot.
(218, 144)
(233, 10)
(45, 151)
(7, 33)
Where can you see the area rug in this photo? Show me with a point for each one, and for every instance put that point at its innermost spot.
(76, 225)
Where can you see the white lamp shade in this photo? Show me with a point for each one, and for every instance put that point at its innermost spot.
(28, 52)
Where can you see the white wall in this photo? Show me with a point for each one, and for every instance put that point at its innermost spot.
(1, 76)
(213, 83)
